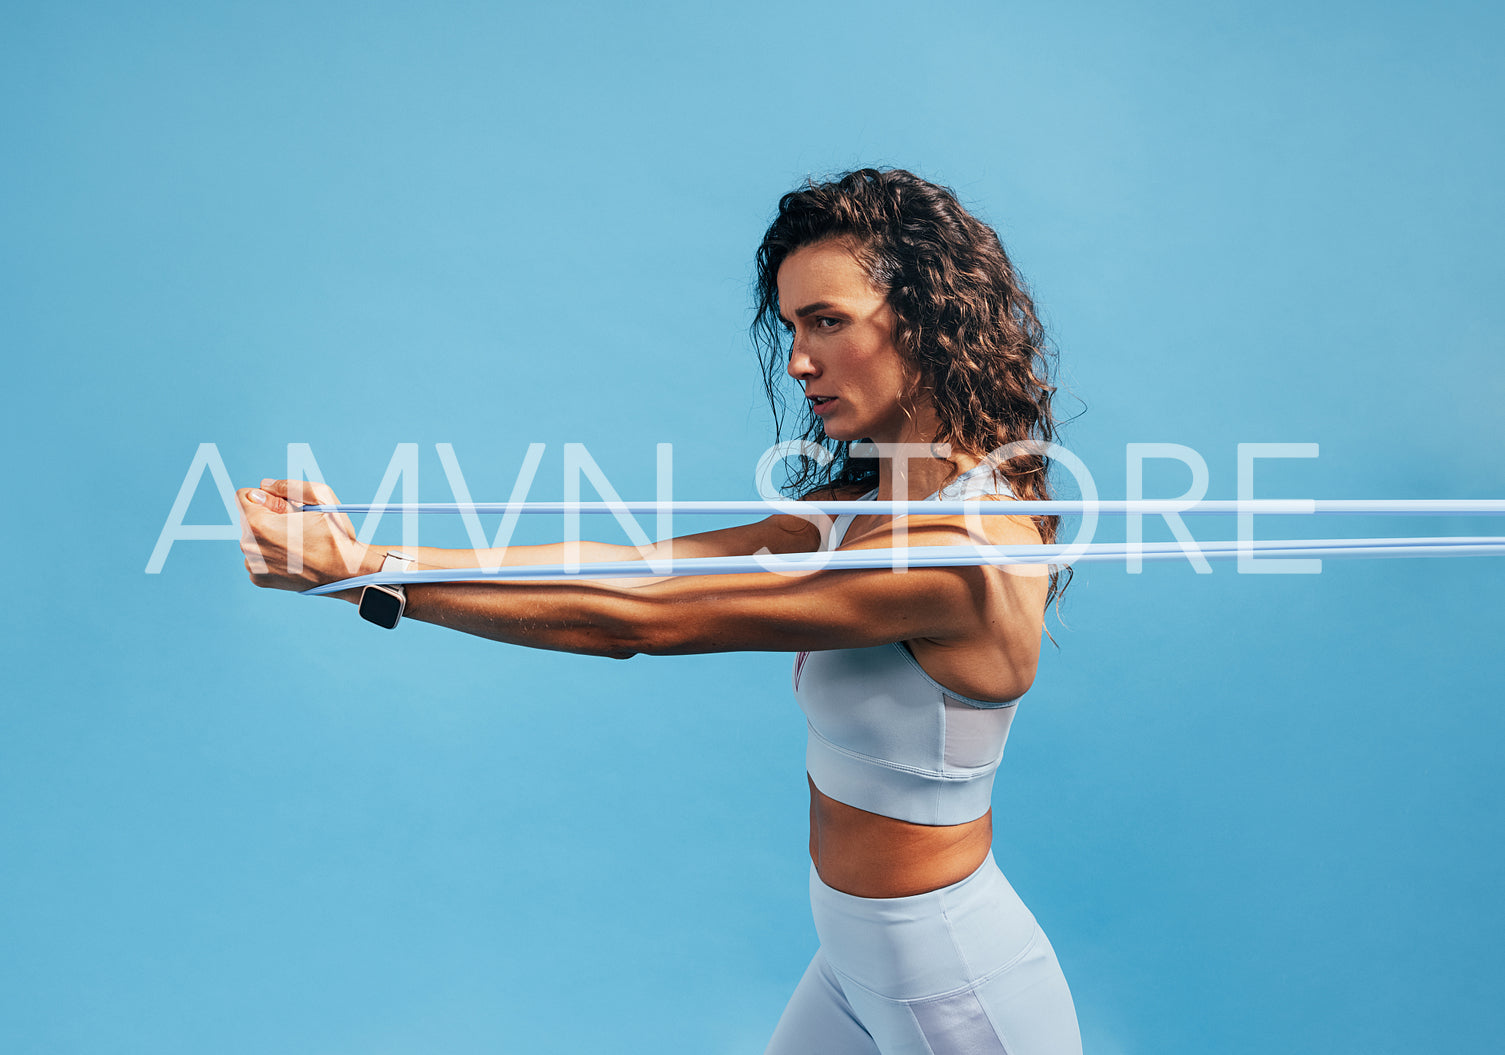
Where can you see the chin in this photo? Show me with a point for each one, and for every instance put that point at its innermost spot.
(840, 429)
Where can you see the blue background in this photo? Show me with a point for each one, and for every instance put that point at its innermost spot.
(1254, 812)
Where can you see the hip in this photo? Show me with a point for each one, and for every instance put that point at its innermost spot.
(919, 945)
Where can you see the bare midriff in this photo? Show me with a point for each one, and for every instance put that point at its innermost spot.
(869, 855)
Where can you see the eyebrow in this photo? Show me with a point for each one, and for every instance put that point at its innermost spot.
(808, 309)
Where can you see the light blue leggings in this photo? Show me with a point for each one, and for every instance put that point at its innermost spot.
(961, 969)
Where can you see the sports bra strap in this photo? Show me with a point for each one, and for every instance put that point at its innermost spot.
(842, 523)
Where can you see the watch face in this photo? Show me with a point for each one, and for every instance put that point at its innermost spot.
(382, 606)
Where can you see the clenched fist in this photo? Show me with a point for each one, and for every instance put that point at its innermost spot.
(288, 549)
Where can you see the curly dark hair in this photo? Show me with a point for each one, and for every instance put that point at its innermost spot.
(966, 326)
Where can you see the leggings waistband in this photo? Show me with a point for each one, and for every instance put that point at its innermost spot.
(924, 944)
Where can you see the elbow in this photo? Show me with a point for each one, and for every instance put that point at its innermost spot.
(626, 642)
(595, 643)
(608, 642)
(635, 629)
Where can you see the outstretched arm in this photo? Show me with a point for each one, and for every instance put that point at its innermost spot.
(756, 612)
(759, 612)
(327, 541)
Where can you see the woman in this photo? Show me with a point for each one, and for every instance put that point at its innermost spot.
(901, 317)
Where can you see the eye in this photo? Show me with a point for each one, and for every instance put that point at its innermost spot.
(825, 322)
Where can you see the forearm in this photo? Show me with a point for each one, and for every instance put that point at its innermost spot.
(594, 619)
(287, 549)
(515, 556)
(425, 557)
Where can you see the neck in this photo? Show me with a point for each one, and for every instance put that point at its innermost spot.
(909, 465)
(910, 469)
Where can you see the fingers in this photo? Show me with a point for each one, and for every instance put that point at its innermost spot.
(298, 493)
(250, 500)
(302, 492)
(279, 488)
(253, 496)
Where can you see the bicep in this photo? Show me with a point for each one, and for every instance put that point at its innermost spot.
(767, 612)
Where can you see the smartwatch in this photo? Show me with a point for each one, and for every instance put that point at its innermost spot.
(384, 604)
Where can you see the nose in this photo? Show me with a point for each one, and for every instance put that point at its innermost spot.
(801, 367)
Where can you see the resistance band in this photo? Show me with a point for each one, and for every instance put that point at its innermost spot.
(1017, 507)
(943, 557)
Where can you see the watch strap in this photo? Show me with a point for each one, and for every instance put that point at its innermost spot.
(395, 561)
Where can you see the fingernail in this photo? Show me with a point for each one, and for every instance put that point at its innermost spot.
(259, 497)
(267, 482)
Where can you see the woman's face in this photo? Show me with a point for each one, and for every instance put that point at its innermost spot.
(843, 350)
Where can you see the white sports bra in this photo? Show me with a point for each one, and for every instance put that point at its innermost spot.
(886, 737)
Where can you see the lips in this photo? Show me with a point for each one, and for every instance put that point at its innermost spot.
(821, 404)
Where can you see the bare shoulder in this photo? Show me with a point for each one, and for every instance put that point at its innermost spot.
(1024, 585)
(998, 659)
(1006, 530)
(1012, 595)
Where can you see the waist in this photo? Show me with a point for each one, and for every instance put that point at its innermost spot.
(872, 856)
